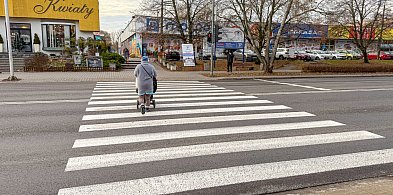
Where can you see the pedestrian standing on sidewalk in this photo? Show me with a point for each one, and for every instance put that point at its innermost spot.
(144, 74)
(230, 57)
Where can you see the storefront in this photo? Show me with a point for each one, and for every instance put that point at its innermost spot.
(57, 23)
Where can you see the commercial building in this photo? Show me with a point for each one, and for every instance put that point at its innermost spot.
(57, 23)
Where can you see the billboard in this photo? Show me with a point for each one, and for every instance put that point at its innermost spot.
(231, 38)
(299, 31)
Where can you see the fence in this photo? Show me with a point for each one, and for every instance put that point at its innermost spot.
(68, 69)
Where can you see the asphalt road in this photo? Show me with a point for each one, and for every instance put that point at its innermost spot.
(42, 125)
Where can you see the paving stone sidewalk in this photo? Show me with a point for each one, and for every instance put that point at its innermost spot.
(373, 186)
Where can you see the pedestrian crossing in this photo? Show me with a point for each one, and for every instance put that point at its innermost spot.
(188, 110)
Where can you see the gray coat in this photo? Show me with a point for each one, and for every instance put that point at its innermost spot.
(144, 78)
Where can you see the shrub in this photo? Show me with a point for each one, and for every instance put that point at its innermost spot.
(38, 61)
(112, 58)
(1, 39)
(36, 39)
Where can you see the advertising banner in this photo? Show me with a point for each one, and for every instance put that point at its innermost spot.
(188, 54)
(231, 38)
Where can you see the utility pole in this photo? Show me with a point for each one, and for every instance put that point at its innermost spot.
(161, 40)
(9, 46)
(213, 44)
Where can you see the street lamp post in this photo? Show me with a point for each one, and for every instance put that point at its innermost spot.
(9, 46)
(213, 44)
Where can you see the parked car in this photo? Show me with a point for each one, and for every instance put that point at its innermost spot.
(383, 56)
(302, 55)
(349, 55)
(282, 53)
(315, 55)
(249, 56)
(337, 56)
(172, 55)
(356, 55)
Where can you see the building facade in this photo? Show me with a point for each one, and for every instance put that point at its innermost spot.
(57, 23)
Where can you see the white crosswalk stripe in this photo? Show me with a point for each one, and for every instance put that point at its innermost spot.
(167, 95)
(182, 105)
(186, 101)
(184, 112)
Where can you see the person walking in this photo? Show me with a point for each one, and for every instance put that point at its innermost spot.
(144, 73)
(126, 54)
(230, 57)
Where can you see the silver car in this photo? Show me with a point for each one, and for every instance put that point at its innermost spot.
(249, 56)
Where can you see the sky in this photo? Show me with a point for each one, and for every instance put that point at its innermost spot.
(115, 14)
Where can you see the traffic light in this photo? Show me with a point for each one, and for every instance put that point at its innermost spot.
(209, 37)
(217, 33)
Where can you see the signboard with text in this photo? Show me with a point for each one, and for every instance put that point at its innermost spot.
(188, 54)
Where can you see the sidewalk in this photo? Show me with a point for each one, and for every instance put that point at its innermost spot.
(163, 75)
(373, 186)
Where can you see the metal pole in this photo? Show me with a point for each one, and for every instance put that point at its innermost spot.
(213, 44)
(7, 23)
(161, 40)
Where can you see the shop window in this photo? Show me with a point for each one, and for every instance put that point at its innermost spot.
(21, 37)
(58, 36)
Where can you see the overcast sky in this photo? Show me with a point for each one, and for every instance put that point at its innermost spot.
(115, 14)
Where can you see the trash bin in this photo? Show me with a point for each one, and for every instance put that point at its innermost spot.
(206, 66)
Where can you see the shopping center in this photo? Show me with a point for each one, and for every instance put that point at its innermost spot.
(58, 23)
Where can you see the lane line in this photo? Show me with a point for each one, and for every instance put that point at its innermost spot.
(194, 120)
(236, 175)
(184, 112)
(174, 100)
(159, 85)
(167, 95)
(165, 92)
(45, 102)
(294, 85)
(128, 158)
(126, 139)
(181, 105)
(321, 92)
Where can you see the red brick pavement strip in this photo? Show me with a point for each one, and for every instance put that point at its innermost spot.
(373, 186)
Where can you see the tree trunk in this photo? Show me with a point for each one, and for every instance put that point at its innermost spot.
(365, 56)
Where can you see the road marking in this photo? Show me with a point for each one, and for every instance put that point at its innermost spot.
(160, 90)
(164, 92)
(159, 87)
(128, 158)
(45, 102)
(157, 96)
(236, 175)
(183, 112)
(194, 120)
(181, 105)
(294, 85)
(174, 100)
(104, 141)
(321, 92)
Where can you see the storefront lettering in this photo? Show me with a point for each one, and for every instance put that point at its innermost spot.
(53, 5)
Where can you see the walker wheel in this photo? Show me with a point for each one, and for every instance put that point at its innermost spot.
(137, 104)
(154, 103)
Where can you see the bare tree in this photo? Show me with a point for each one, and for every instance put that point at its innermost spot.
(365, 19)
(263, 22)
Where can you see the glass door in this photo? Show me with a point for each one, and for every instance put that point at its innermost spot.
(21, 37)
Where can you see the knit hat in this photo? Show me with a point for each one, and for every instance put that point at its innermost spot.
(145, 59)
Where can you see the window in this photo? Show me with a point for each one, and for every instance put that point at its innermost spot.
(58, 36)
(21, 37)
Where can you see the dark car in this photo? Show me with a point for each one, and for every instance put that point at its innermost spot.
(172, 55)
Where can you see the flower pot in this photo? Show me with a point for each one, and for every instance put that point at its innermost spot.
(1, 47)
(37, 48)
